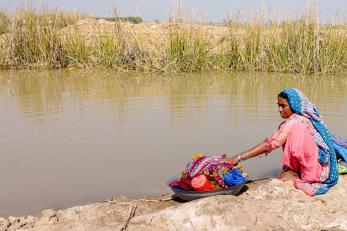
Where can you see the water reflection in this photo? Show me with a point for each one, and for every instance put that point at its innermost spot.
(70, 137)
(46, 92)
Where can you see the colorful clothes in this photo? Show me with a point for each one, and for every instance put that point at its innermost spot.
(307, 144)
(213, 169)
(234, 177)
(212, 166)
(185, 181)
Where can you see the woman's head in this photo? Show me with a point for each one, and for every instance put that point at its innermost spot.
(298, 104)
(283, 105)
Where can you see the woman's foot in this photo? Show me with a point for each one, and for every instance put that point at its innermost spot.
(287, 175)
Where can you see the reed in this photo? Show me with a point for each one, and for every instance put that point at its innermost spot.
(34, 40)
(55, 39)
(301, 46)
(4, 22)
(118, 49)
(188, 49)
(76, 52)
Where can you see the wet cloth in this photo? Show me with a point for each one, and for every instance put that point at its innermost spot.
(185, 181)
(234, 177)
(212, 166)
(307, 144)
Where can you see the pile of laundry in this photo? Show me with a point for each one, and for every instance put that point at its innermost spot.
(206, 173)
(340, 146)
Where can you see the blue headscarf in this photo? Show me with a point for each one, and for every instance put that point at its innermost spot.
(300, 104)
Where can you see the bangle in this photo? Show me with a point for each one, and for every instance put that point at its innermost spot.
(238, 158)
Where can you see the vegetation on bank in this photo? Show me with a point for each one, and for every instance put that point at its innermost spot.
(131, 19)
(53, 40)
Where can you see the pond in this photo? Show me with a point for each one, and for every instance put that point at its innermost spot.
(75, 137)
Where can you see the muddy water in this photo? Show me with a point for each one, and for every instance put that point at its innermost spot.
(74, 137)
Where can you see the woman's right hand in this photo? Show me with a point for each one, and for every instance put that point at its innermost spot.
(234, 159)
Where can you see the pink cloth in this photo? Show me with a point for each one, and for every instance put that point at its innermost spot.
(300, 152)
(280, 136)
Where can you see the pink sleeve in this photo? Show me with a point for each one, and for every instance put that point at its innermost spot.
(279, 137)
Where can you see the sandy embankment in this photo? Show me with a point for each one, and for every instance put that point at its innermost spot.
(266, 205)
(148, 32)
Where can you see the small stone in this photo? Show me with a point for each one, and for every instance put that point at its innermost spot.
(12, 219)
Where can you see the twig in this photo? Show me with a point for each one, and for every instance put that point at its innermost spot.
(132, 210)
(157, 200)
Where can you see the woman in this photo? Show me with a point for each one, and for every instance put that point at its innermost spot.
(309, 157)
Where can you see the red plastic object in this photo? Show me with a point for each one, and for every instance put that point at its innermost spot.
(201, 184)
(173, 183)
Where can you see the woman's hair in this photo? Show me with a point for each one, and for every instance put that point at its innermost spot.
(283, 95)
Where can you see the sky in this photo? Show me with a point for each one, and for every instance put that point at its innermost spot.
(214, 10)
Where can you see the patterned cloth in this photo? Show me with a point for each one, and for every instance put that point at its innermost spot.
(214, 167)
(310, 117)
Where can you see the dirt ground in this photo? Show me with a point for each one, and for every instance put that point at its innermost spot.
(266, 205)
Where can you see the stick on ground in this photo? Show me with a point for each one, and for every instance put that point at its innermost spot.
(132, 210)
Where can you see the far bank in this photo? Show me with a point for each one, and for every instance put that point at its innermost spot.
(55, 40)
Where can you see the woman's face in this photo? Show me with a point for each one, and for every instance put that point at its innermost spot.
(284, 108)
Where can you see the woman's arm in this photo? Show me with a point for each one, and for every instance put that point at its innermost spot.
(270, 143)
(255, 151)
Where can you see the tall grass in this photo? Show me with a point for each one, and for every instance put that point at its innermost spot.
(118, 49)
(4, 22)
(34, 40)
(301, 46)
(55, 39)
(188, 49)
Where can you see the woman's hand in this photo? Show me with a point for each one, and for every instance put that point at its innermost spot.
(255, 151)
(234, 159)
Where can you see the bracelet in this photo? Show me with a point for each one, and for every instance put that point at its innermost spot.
(238, 158)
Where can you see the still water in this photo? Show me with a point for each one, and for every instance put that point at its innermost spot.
(74, 137)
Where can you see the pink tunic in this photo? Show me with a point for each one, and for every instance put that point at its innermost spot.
(300, 152)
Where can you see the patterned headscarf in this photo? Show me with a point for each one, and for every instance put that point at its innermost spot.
(300, 104)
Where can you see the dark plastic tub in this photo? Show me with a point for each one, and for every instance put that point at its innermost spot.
(189, 195)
